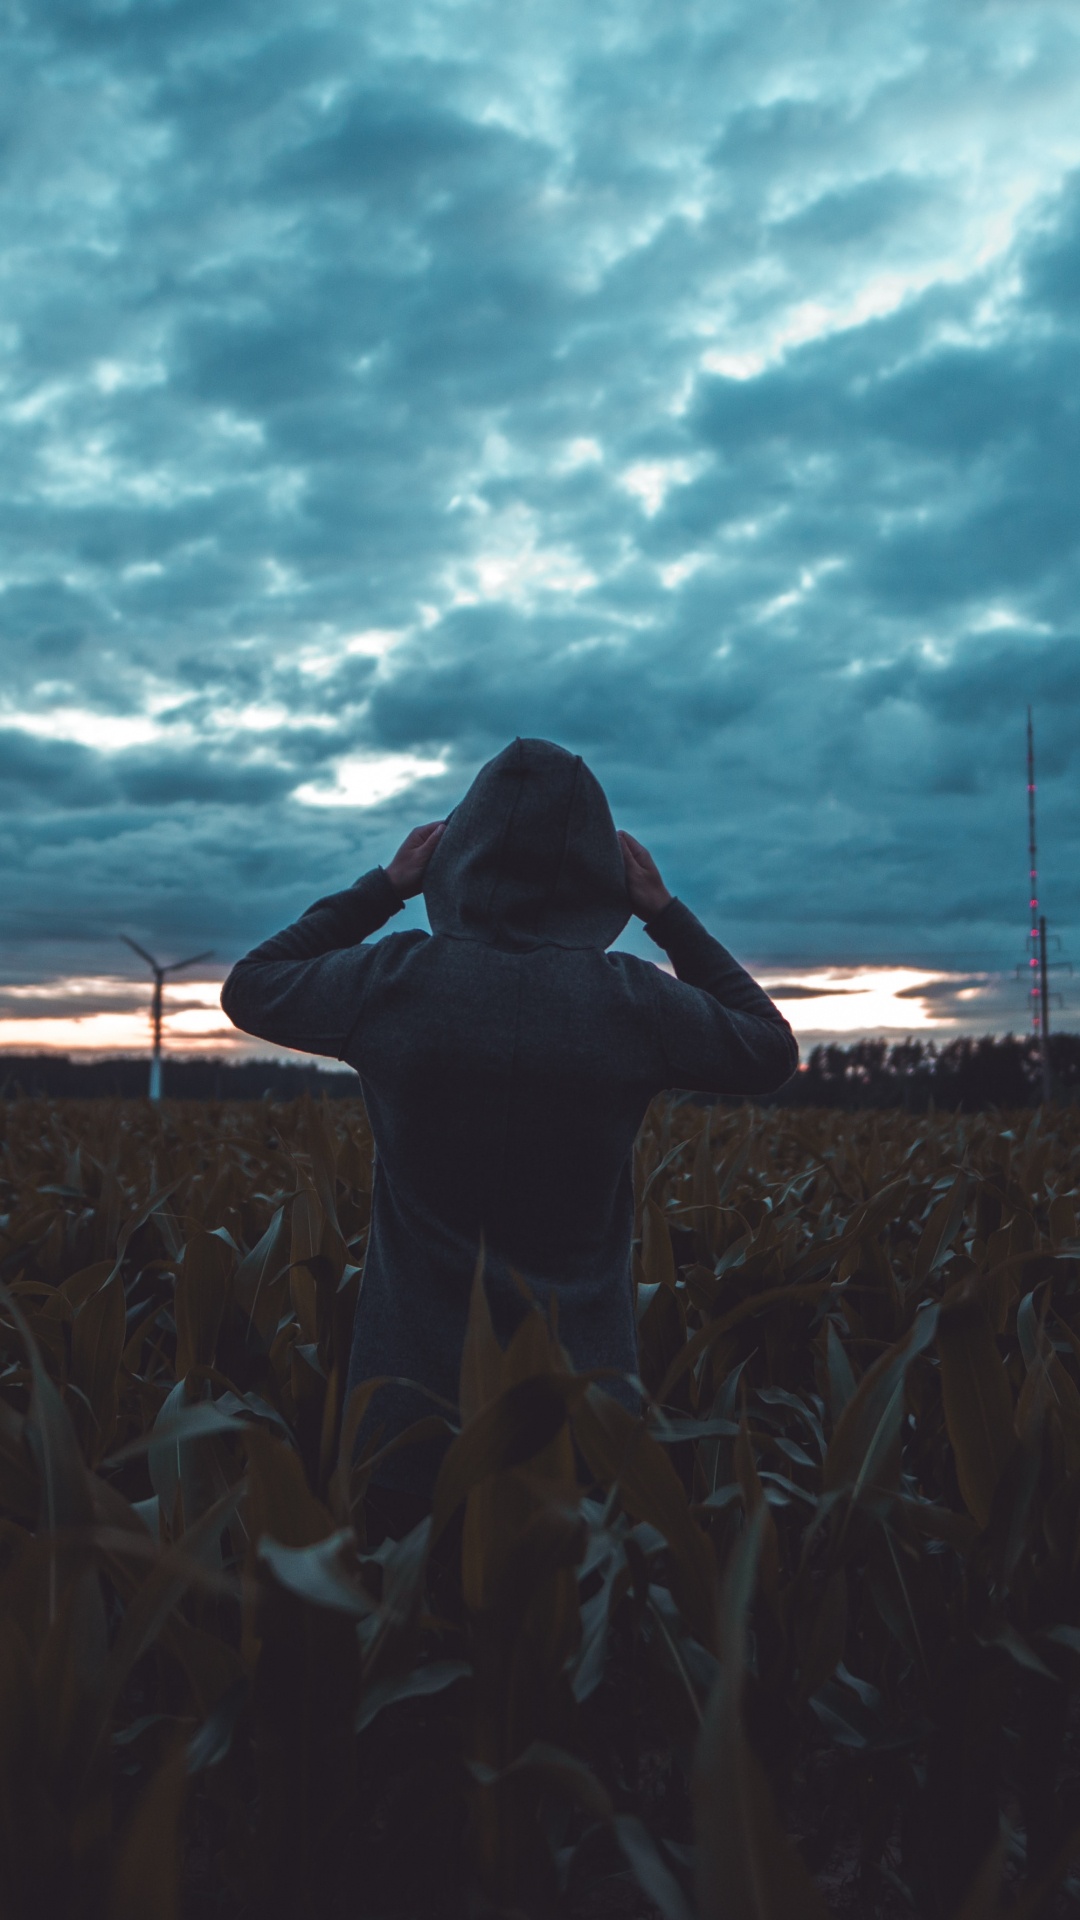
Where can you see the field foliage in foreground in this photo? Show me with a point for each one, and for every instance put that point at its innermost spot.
(803, 1639)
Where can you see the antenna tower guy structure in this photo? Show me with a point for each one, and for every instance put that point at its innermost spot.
(159, 972)
(1037, 953)
(1038, 964)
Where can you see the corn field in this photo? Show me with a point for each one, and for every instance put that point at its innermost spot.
(804, 1639)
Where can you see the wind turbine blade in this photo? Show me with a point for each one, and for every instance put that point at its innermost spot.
(175, 965)
(141, 951)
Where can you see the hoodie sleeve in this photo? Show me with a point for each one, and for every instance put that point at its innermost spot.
(720, 1032)
(304, 987)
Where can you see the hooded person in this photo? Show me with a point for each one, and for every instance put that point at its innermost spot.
(506, 1061)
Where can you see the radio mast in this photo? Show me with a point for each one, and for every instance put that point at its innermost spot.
(1038, 962)
(1036, 938)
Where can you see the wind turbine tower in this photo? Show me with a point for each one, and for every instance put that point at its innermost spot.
(159, 972)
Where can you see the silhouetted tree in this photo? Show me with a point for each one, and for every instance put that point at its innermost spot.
(967, 1074)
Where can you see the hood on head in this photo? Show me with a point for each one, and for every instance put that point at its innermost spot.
(530, 857)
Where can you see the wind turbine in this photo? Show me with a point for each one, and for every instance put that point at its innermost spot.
(159, 973)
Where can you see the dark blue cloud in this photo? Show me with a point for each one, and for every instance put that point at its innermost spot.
(386, 382)
(51, 775)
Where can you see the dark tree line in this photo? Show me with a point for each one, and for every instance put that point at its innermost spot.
(58, 1077)
(966, 1074)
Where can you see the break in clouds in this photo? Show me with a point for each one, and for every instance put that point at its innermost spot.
(697, 386)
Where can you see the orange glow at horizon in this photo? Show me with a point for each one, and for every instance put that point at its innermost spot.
(194, 1023)
(111, 1014)
(857, 1000)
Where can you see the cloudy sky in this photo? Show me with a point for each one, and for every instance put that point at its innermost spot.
(697, 385)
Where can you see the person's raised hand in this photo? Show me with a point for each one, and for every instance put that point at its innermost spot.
(406, 870)
(648, 894)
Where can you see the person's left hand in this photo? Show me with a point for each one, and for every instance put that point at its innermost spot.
(406, 870)
(648, 894)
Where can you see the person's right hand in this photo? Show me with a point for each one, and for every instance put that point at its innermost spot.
(648, 894)
(406, 870)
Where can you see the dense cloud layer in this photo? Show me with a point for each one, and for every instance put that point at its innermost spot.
(696, 386)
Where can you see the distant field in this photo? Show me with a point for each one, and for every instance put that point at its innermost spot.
(797, 1642)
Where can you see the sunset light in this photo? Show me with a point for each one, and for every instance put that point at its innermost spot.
(835, 1000)
(194, 1022)
(109, 1014)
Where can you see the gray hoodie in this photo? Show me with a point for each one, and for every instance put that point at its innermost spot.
(506, 1061)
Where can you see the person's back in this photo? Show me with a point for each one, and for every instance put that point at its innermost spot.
(507, 1061)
